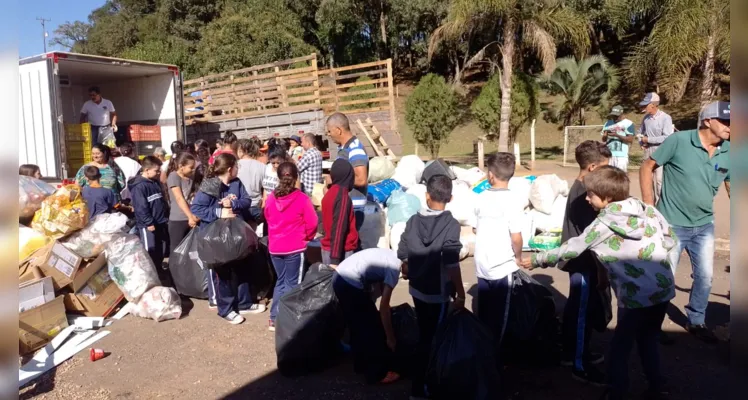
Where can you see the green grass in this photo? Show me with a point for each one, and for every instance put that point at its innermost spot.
(549, 137)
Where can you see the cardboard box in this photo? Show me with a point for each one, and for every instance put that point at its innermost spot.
(35, 293)
(36, 327)
(28, 269)
(66, 268)
(98, 298)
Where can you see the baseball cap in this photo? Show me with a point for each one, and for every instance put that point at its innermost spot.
(649, 98)
(616, 111)
(717, 109)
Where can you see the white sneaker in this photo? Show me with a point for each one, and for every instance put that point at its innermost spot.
(234, 318)
(256, 308)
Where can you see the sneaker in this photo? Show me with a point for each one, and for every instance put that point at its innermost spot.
(390, 378)
(590, 375)
(271, 325)
(234, 318)
(592, 358)
(254, 309)
(702, 333)
(211, 305)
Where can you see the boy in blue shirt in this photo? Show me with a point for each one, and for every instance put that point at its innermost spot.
(618, 134)
(99, 200)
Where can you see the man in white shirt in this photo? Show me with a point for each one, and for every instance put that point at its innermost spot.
(498, 243)
(656, 127)
(99, 112)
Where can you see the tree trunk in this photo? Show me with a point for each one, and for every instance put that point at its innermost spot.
(383, 29)
(507, 59)
(434, 149)
(707, 85)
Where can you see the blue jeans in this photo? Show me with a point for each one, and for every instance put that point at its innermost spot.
(640, 326)
(289, 269)
(699, 244)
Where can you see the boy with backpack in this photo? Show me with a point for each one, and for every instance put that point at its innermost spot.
(634, 244)
(430, 247)
(498, 244)
(151, 210)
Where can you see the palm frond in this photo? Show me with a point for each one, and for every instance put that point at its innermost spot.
(543, 43)
(479, 56)
(437, 37)
(565, 25)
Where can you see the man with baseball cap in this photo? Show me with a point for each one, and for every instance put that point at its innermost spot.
(655, 128)
(618, 134)
(695, 164)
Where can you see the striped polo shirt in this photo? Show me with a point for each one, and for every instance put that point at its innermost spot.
(354, 152)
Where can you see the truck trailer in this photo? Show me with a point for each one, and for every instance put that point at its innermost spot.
(54, 86)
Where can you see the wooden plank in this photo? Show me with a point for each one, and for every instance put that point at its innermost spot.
(373, 143)
(316, 81)
(365, 73)
(253, 68)
(371, 82)
(359, 110)
(354, 93)
(363, 101)
(279, 110)
(380, 138)
(393, 114)
(359, 66)
(264, 78)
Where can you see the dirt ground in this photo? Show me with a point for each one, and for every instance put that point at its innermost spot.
(202, 357)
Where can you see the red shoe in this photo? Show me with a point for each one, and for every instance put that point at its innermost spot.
(390, 378)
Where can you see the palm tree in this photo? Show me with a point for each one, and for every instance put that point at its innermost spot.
(686, 36)
(537, 25)
(584, 83)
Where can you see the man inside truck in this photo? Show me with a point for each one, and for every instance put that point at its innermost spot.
(99, 112)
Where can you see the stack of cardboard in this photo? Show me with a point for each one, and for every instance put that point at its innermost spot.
(54, 280)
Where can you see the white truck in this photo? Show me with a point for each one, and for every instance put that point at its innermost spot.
(54, 86)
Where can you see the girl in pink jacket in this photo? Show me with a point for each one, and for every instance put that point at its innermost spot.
(292, 223)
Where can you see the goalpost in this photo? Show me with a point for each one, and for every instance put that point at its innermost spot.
(576, 134)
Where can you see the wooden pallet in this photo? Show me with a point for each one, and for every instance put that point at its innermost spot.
(378, 143)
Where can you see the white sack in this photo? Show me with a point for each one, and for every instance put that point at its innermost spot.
(462, 205)
(521, 186)
(544, 191)
(380, 168)
(158, 304)
(395, 233)
(471, 176)
(419, 191)
(555, 219)
(409, 171)
(130, 266)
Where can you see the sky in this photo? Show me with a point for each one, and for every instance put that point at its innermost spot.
(59, 11)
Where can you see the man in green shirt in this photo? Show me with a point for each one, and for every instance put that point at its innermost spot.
(695, 163)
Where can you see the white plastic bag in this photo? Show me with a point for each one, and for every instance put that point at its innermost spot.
(467, 238)
(521, 186)
(380, 168)
(544, 191)
(554, 220)
(401, 206)
(130, 266)
(462, 205)
(419, 191)
(158, 304)
(31, 193)
(395, 233)
(409, 171)
(90, 241)
(471, 176)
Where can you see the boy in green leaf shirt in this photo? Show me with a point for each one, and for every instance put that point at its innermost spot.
(634, 243)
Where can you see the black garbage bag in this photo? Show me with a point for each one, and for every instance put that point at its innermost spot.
(186, 269)
(309, 326)
(405, 325)
(462, 363)
(532, 331)
(261, 274)
(225, 240)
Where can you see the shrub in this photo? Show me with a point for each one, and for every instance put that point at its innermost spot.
(487, 106)
(431, 112)
(352, 96)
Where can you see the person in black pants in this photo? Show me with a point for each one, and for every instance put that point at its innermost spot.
(150, 211)
(430, 246)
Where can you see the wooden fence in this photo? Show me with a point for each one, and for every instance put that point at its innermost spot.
(288, 86)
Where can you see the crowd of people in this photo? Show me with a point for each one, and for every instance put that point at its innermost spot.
(611, 240)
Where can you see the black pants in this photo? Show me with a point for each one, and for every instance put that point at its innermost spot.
(232, 289)
(584, 311)
(177, 231)
(156, 243)
(640, 325)
(371, 356)
(429, 316)
(493, 307)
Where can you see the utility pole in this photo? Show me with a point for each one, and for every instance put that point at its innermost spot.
(44, 31)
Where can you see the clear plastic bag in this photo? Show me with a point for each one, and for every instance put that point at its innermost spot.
(409, 171)
(158, 304)
(130, 266)
(90, 241)
(380, 168)
(62, 213)
(401, 206)
(106, 137)
(31, 194)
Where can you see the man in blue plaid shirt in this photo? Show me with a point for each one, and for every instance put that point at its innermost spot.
(310, 165)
